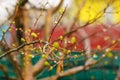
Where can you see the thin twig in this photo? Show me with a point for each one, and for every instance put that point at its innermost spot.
(57, 24)
(19, 47)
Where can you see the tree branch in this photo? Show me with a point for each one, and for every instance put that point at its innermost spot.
(20, 47)
(80, 68)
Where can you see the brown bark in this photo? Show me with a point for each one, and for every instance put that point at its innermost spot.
(47, 25)
(28, 72)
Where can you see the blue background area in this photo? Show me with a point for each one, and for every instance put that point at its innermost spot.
(8, 36)
(4, 27)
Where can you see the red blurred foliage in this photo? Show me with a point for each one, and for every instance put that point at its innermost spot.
(98, 35)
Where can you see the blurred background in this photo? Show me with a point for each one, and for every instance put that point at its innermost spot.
(96, 24)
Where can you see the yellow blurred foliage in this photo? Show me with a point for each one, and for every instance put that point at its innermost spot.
(92, 9)
(116, 10)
